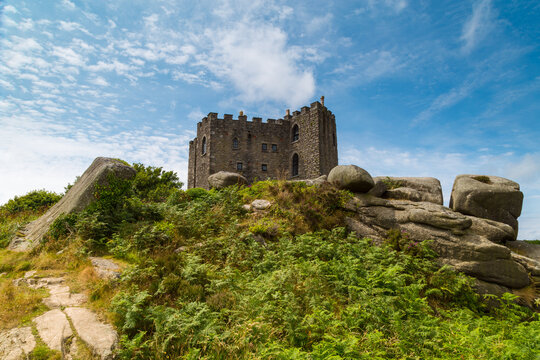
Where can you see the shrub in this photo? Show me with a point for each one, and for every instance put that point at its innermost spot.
(196, 193)
(33, 201)
(153, 183)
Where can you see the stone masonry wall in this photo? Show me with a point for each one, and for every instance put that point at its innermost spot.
(316, 149)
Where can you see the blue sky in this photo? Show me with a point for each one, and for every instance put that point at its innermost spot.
(419, 88)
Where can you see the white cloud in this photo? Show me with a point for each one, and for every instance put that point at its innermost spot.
(99, 80)
(258, 62)
(119, 67)
(68, 56)
(6, 85)
(395, 5)
(68, 4)
(10, 9)
(477, 26)
(22, 25)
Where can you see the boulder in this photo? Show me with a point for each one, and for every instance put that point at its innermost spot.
(105, 268)
(76, 199)
(488, 197)
(469, 244)
(351, 177)
(223, 179)
(260, 204)
(412, 188)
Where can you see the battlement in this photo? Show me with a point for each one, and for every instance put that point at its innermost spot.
(241, 118)
(258, 120)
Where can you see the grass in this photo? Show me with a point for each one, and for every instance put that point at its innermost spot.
(20, 304)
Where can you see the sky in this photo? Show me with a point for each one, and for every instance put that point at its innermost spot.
(419, 88)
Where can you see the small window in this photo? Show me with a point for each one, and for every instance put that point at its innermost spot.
(264, 167)
(264, 147)
(274, 147)
(239, 166)
(235, 143)
(295, 165)
(204, 145)
(295, 133)
(334, 138)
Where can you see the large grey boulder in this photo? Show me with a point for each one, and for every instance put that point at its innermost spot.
(488, 197)
(351, 177)
(471, 245)
(223, 179)
(81, 194)
(412, 188)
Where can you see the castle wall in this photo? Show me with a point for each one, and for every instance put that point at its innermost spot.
(315, 146)
(250, 135)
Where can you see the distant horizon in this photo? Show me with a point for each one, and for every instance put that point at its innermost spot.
(418, 89)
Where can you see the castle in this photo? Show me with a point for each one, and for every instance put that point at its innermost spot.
(302, 145)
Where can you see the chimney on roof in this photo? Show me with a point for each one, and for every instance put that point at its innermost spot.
(322, 100)
(288, 112)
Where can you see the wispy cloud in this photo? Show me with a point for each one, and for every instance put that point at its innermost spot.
(477, 26)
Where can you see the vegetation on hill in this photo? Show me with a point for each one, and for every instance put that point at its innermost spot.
(207, 279)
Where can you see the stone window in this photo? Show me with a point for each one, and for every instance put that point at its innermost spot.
(235, 143)
(239, 166)
(334, 138)
(295, 133)
(204, 145)
(274, 147)
(264, 167)
(264, 147)
(295, 165)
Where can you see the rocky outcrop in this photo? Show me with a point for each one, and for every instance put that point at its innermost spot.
(471, 245)
(223, 179)
(488, 197)
(351, 177)
(411, 188)
(76, 199)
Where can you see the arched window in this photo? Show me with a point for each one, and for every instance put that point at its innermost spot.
(235, 143)
(204, 145)
(295, 133)
(295, 165)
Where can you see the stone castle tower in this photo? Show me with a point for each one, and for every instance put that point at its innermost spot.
(299, 146)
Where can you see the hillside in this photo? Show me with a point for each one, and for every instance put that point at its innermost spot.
(203, 276)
